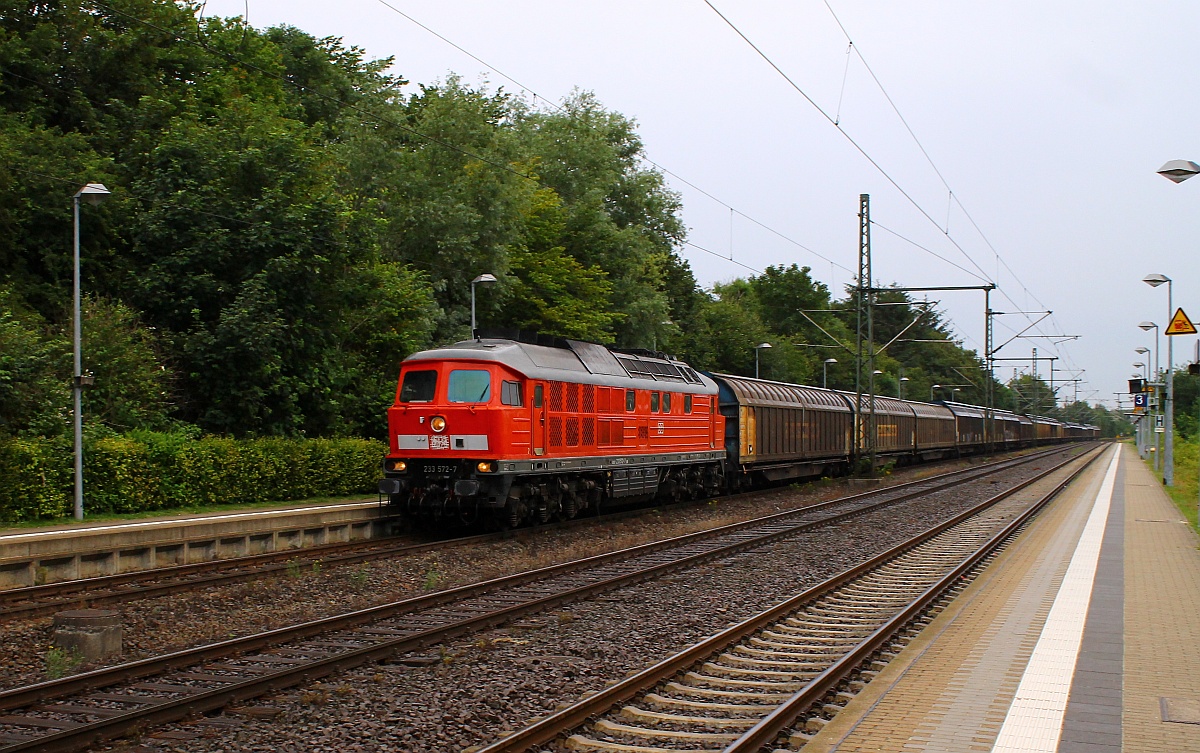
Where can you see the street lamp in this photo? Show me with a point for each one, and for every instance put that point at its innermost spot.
(1154, 280)
(92, 193)
(902, 381)
(757, 348)
(933, 387)
(1147, 326)
(1179, 170)
(485, 280)
(825, 372)
(664, 323)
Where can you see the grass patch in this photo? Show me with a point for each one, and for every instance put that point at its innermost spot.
(1186, 492)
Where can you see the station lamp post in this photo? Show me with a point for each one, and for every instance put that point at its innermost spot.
(1176, 171)
(1146, 327)
(825, 372)
(1154, 280)
(485, 280)
(902, 381)
(933, 387)
(92, 193)
(757, 348)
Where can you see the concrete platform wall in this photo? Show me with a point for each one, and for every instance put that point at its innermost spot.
(48, 556)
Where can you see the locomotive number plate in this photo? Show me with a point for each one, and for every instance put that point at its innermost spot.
(440, 470)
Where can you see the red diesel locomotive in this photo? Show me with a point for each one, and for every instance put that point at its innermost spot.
(526, 432)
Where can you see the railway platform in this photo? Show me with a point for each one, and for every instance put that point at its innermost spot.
(1082, 635)
(32, 556)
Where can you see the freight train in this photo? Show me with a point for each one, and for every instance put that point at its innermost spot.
(529, 430)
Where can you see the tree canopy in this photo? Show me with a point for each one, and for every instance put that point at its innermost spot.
(289, 219)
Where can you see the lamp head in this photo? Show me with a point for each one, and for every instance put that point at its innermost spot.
(1139, 365)
(831, 360)
(905, 379)
(935, 386)
(1179, 170)
(484, 279)
(1141, 349)
(1148, 326)
(763, 345)
(1155, 280)
(93, 193)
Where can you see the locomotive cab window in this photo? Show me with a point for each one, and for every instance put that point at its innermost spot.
(630, 400)
(539, 394)
(510, 393)
(469, 386)
(687, 403)
(654, 402)
(418, 387)
(666, 402)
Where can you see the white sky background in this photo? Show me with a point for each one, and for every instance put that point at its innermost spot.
(1048, 120)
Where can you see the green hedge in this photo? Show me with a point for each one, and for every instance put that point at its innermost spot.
(149, 471)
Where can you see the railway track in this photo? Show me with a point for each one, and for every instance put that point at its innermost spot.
(108, 590)
(73, 712)
(771, 681)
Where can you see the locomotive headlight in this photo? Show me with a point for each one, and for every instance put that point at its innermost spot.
(438, 424)
(399, 466)
(485, 467)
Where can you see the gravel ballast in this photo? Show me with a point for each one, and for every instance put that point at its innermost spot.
(469, 692)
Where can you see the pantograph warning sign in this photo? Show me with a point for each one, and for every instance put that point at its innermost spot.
(1180, 324)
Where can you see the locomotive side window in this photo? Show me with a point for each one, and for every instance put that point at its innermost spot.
(666, 402)
(539, 394)
(654, 402)
(510, 393)
(418, 387)
(630, 400)
(687, 403)
(469, 386)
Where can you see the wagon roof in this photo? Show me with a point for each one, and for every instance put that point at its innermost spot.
(763, 392)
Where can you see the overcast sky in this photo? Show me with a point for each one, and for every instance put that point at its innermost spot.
(1047, 120)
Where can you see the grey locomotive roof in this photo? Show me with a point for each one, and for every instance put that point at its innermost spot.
(584, 363)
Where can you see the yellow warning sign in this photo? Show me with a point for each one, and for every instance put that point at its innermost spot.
(1180, 324)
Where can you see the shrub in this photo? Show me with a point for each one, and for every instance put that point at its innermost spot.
(148, 471)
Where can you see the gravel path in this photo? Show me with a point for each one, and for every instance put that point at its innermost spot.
(469, 692)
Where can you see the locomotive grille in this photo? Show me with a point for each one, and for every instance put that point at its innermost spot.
(589, 399)
(556, 431)
(572, 398)
(556, 396)
(572, 432)
(589, 431)
(643, 432)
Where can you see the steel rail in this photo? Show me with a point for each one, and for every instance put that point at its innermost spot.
(205, 700)
(550, 727)
(785, 715)
(264, 564)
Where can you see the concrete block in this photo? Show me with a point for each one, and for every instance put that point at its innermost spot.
(90, 633)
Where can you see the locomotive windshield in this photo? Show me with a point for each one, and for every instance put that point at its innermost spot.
(418, 387)
(469, 386)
